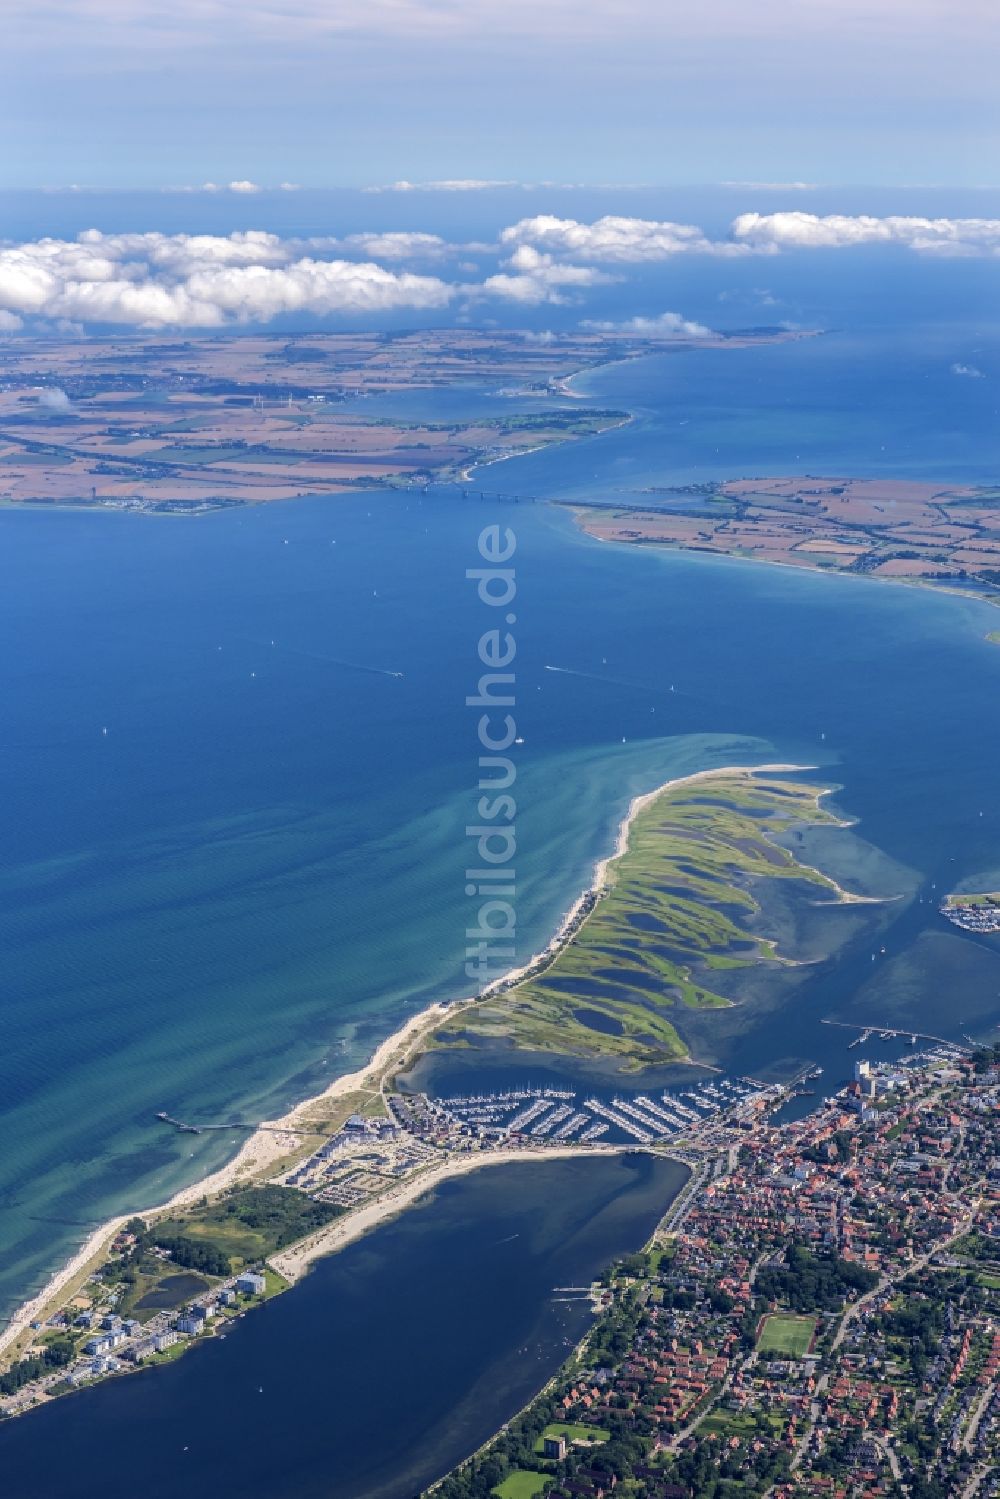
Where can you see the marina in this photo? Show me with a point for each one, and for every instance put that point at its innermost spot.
(558, 1114)
(979, 914)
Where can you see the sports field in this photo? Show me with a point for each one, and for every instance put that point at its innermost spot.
(782, 1332)
(521, 1485)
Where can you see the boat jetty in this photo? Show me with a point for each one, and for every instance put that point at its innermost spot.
(889, 1033)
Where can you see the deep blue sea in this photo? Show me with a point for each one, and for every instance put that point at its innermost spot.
(233, 839)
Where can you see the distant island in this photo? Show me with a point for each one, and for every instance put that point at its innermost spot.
(198, 424)
(905, 529)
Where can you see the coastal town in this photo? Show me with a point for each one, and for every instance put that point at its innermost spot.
(763, 1330)
(817, 1315)
(164, 1285)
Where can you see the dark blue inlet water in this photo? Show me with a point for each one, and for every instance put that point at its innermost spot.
(384, 1367)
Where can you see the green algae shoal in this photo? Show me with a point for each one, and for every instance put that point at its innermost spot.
(675, 906)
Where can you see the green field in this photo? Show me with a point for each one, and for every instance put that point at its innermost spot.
(974, 898)
(573, 1433)
(249, 1223)
(743, 1424)
(522, 1485)
(676, 912)
(784, 1333)
(209, 1241)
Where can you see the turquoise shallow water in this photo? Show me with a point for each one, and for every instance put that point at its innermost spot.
(229, 897)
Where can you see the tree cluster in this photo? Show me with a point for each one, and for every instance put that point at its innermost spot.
(809, 1282)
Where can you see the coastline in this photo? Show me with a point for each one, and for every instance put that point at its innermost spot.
(273, 1140)
(257, 1157)
(467, 475)
(576, 507)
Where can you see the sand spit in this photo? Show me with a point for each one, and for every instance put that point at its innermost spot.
(274, 1140)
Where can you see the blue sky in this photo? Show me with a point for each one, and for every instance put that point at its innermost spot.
(157, 93)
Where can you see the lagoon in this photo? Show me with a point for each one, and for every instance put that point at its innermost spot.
(388, 1364)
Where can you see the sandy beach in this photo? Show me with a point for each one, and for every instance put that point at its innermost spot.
(274, 1140)
(257, 1158)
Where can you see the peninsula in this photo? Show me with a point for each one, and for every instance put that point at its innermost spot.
(144, 1286)
(661, 924)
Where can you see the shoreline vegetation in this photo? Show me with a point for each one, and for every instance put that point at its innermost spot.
(665, 916)
(273, 1148)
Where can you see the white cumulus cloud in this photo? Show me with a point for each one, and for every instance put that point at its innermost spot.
(398, 244)
(970, 371)
(615, 238)
(532, 276)
(243, 186)
(795, 230)
(203, 281)
(774, 187)
(55, 400)
(442, 185)
(665, 325)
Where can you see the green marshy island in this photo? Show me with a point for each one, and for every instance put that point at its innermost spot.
(668, 913)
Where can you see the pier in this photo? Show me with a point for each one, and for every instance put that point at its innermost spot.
(200, 1129)
(888, 1032)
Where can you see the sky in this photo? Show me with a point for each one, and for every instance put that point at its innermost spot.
(206, 164)
(366, 93)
